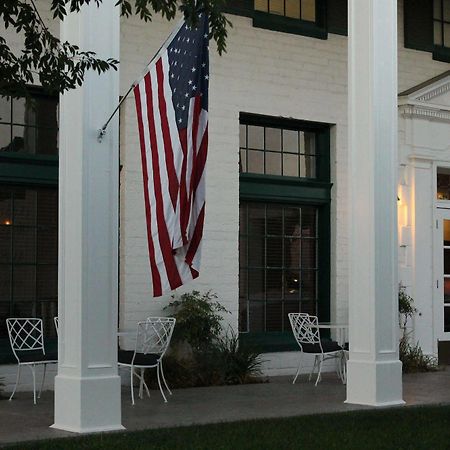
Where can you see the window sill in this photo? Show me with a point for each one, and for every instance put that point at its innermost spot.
(288, 25)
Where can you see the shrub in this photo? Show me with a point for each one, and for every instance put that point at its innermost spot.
(411, 356)
(215, 359)
(198, 319)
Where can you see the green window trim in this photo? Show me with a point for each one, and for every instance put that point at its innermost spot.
(288, 25)
(331, 14)
(25, 169)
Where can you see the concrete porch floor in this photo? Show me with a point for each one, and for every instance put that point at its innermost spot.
(22, 421)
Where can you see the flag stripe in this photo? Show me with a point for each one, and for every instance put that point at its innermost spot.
(151, 250)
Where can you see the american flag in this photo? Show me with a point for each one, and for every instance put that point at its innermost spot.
(172, 112)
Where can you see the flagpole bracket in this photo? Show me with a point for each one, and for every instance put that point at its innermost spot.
(101, 134)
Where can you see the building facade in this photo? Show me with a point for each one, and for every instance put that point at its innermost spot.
(277, 222)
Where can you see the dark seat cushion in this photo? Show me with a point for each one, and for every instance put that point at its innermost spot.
(126, 356)
(327, 346)
(36, 356)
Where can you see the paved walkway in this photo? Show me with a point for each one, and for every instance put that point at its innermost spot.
(22, 421)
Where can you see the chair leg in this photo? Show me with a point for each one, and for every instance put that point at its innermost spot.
(298, 369)
(159, 382)
(141, 384)
(313, 368)
(17, 382)
(132, 391)
(43, 380)
(164, 378)
(319, 369)
(33, 371)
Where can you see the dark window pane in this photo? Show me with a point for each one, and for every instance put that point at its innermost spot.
(308, 248)
(290, 141)
(47, 246)
(47, 311)
(262, 5)
(446, 5)
(446, 261)
(276, 7)
(47, 214)
(446, 290)
(308, 284)
(243, 322)
(5, 207)
(24, 139)
(24, 309)
(24, 245)
(309, 10)
(243, 161)
(274, 254)
(292, 284)
(255, 137)
(274, 220)
(46, 141)
(273, 139)
(274, 284)
(243, 283)
(256, 219)
(290, 165)
(256, 317)
(256, 284)
(446, 319)
(255, 161)
(243, 136)
(292, 222)
(437, 33)
(309, 220)
(256, 256)
(5, 138)
(24, 284)
(5, 110)
(437, 9)
(47, 282)
(274, 316)
(5, 283)
(273, 163)
(5, 244)
(21, 114)
(25, 207)
(447, 35)
(293, 9)
(292, 253)
(243, 218)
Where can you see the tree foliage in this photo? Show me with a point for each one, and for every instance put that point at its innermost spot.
(60, 66)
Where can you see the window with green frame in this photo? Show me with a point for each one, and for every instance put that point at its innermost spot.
(314, 18)
(284, 226)
(28, 211)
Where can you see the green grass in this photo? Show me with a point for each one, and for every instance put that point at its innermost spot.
(399, 428)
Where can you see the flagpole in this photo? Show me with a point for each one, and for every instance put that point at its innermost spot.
(102, 130)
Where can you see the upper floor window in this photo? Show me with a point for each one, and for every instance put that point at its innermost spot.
(29, 125)
(277, 151)
(296, 9)
(441, 23)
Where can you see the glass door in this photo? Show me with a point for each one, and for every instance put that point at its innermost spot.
(442, 302)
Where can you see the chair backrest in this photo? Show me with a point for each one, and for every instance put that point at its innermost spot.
(25, 334)
(305, 328)
(56, 321)
(154, 334)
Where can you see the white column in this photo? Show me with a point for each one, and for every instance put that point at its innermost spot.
(87, 387)
(374, 370)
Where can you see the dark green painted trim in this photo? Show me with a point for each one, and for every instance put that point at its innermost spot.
(283, 189)
(324, 264)
(280, 341)
(441, 54)
(281, 122)
(23, 169)
(239, 7)
(288, 25)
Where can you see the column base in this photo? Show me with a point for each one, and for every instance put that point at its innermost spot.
(88, 404)
(374, 383)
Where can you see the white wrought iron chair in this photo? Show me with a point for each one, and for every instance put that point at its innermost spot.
(307, 335)
(152, 341)
(26, 337)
